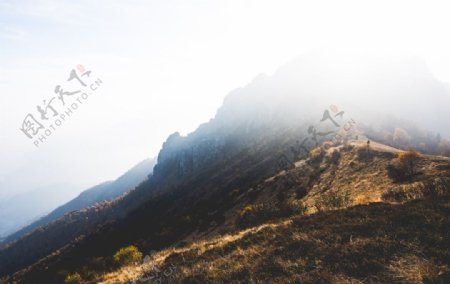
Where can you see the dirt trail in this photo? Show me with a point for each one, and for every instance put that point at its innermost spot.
(375, 146)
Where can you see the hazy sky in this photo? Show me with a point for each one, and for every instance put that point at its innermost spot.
(167, 65)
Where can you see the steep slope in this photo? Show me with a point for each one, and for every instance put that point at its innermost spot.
(56, 232)
(164, 204)
(359, 235)
(103, 192)
(376, 243)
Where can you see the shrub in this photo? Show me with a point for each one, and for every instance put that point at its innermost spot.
(301, 191)
(127, 255)
(409, 159)
(296, 207)
(332, 201)
(404, 166)
(256, 214)
(316, 155)
(395, 171)
(74, 278)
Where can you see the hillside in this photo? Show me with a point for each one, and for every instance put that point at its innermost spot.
(325, 209)
(376, 243)
(346, 226)
(79, 217)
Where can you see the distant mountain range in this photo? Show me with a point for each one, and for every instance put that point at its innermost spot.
(103, 192)
(20, 210)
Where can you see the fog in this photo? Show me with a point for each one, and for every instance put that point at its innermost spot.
(167, 66)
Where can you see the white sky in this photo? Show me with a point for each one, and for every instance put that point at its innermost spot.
(167, 65)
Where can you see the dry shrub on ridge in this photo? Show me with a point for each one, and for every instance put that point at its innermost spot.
(404, 167)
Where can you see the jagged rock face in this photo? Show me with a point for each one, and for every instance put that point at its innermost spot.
(373, 91)
(183, 155)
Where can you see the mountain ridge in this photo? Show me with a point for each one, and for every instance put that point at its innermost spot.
(198, 177)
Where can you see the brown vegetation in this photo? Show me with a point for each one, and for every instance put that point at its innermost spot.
(377, 243)
(316, 155)
(320, 221)
(404, 166)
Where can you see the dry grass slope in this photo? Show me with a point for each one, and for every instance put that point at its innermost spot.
(358, 226)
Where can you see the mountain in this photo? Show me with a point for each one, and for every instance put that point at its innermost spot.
(103, 192)
(330, 219)
(230, 174)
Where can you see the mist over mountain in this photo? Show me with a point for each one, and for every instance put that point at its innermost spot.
(203, 179)
(367, 87)
(372, 90)
(381, 94)
(292, 142)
